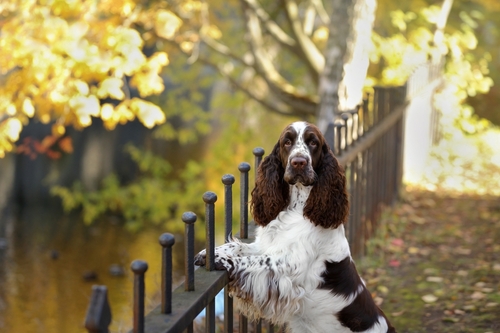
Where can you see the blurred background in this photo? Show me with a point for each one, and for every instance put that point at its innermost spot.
(117, 115)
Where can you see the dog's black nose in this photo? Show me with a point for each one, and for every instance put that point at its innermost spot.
(298, 162)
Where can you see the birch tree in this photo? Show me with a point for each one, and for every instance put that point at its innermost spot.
(330, 44)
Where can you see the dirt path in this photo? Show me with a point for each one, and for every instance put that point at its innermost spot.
(435, 263)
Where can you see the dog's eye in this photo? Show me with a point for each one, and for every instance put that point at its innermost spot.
(288, 143)
(313, 143)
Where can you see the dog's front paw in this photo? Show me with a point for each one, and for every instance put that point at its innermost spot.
(223, 263)
(201, 258)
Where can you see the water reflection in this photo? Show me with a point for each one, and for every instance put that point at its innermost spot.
(44, 261)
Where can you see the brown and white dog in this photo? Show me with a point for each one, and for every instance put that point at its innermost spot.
(299, 270)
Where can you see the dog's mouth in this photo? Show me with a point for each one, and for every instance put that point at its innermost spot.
(306, 179)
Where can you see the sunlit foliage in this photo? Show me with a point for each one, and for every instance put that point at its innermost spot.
(413, 43)
(66, 61)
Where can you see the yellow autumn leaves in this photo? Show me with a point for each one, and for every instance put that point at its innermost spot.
(67, 61)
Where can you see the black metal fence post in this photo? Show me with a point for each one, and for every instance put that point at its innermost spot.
(258, 153)
(244, 169)
(338, 138)
(345, 117)
(139, 267)
(189, 218)
(98, 315)
(210, 198)
(228, 181)
(166, 241)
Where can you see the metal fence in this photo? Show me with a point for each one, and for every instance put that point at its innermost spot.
(368, 141)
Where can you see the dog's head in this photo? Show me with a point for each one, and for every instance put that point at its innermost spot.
(301, 155)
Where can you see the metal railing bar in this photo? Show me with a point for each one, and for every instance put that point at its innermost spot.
(372, 135)
(228, 181)
(166, 241)
(189, 218)
(210, 198)
(139, 267)
(187, 305)
(244, 168)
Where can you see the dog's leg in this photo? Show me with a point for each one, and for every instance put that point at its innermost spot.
(270, 284)
(234, 248)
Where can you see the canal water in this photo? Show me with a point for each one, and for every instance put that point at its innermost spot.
(49, 262)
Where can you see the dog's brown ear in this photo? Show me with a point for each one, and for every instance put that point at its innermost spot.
(270, 195)
(328, 203)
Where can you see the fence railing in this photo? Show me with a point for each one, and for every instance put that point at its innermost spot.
(367, 141)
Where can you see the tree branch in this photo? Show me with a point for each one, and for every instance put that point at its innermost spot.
(309, 17)
(270, 105)
(277, 33)
(320, 9)
(315, 60)
(271, 26)
(225, 51)
(265, 68)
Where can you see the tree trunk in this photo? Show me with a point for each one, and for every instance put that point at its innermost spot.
(357, 57)
(341, 82)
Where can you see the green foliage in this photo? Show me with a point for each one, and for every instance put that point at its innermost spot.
(153, 198)
(413, 43)
(186, 102)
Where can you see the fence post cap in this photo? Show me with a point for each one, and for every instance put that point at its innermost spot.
(209, 197)
(167, 239)
(244, 167)
(189, 217)
(228, 179)
(139, 266)
(258, 151)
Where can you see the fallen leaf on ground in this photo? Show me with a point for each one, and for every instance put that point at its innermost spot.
(397, 242)
(394, 263)
(429, 298)
(413, 250)
(469, 307)
(477, 295)
(451, 320)
(429, 271)
(434, 279)
(397, 314)
(463, 251)
(383, 289)
(417, 220)
(378, 300)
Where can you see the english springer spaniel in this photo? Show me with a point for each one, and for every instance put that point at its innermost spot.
(299, 271)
